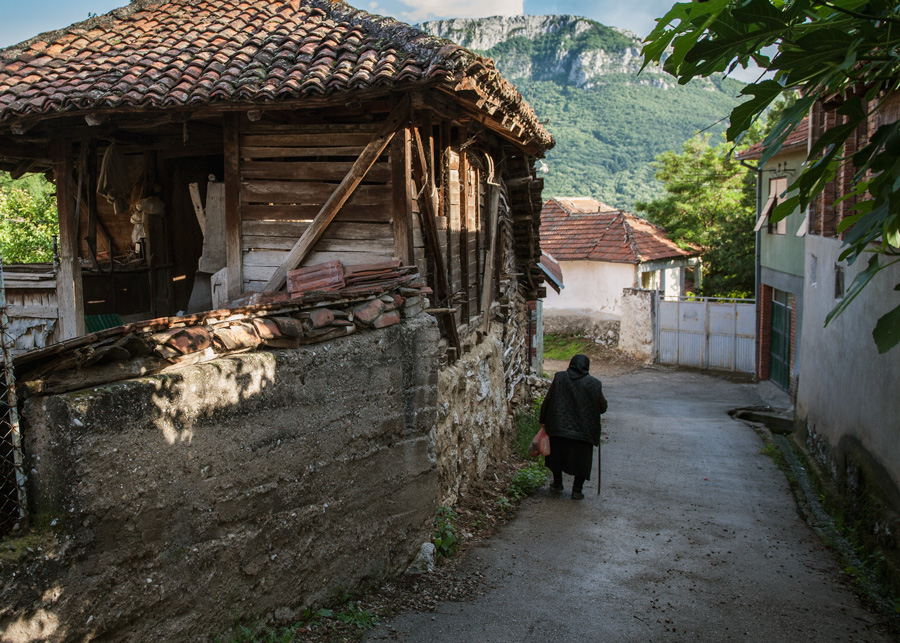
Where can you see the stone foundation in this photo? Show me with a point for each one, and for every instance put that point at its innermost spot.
(601, 328)
(246, 488)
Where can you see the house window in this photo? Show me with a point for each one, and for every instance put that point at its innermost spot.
(777, 188)
(813, 270)
(838, 281)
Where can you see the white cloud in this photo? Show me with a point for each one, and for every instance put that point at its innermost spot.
(418, 10)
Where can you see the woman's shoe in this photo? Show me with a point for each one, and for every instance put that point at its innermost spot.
(577, 495)
(556, 486)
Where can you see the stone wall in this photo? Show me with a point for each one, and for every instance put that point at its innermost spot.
(246, 488)
(638, 316)
(601, 328)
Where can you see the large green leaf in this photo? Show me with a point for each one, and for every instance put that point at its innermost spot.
(887, 330)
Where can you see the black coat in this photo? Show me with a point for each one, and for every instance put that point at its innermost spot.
(573, 406)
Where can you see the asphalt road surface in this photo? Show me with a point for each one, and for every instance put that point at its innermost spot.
(696, 537)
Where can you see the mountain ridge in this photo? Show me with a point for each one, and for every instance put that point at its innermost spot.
(609, 121)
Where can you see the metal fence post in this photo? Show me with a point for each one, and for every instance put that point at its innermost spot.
(14, 462)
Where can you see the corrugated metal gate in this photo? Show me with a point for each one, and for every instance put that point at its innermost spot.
(707, 332)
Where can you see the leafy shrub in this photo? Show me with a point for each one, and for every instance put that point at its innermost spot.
(528, 480)
(28, 220)
(446, 543)
(527, 425)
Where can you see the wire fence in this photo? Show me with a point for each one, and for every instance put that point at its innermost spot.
(12, 474)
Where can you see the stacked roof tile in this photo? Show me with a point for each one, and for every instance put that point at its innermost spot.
(585, 229)
(183, 53)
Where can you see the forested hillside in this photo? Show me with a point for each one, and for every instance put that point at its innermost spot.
(608, 121)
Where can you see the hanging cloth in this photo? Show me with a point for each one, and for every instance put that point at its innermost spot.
(114, 184)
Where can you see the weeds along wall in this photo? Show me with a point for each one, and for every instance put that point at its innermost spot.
(239, 490)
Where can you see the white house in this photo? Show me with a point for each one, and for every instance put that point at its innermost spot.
(602, 251)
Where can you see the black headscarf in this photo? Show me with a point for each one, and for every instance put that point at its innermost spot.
(579, 366)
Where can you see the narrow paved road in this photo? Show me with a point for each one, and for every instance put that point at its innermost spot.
(696, 537)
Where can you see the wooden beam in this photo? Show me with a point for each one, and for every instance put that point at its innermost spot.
(487, 292)
(343, 192)
(233, 257)
(69, 288)
(401, 182)
(432, 242)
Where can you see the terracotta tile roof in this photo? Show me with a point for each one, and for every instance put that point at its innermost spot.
(595, 232)
(184, 53)
(796, 139)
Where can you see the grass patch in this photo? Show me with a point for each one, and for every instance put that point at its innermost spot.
(564, 347)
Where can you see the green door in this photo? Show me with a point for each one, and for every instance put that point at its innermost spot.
(780, 364)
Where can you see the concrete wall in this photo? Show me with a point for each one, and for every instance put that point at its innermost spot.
(242, 489)
(847, 399)
(591, 285)
(636, 334)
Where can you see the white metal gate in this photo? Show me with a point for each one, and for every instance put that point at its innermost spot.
(707, 332)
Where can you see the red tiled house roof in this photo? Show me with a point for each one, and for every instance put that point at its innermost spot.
(588, 230)
(796, 139)
(189, 53)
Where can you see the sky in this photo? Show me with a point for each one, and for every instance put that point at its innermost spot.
(23, 19)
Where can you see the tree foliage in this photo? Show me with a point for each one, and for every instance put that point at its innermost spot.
(28, 220)
(709, 201)
(823, 48)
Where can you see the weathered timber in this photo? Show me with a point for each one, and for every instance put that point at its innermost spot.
(310, 171)
(296, 228)
(325, 139)
(426, 205)
(231, 135)
(401, 183)
(310, 193)
(254, 152)
(343, 192)
(69, 290)
(292, 212)
(487, 290)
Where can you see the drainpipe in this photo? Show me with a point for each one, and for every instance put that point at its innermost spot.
(756, 266)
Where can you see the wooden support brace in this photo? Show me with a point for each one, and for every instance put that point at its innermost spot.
(340, 195)
(426, 206)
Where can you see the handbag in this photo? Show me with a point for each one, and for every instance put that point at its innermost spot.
(540, 445)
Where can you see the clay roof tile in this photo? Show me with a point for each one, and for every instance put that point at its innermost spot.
(189, 39)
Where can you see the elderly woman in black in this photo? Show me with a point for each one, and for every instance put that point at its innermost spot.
(570, 415)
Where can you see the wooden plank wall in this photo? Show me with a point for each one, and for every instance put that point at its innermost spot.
(461, 224)
(287, 172)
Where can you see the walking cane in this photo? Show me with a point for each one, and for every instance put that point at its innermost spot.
(599, 470)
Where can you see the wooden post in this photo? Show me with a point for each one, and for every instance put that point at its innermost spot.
(234, 269)
(344, 191)
(70, 299)
(400, 184)
(464, 277)
(487, 292)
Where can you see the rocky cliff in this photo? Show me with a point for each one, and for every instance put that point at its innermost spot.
(608, 120)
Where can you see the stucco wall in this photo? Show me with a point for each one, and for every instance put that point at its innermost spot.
(783, 253)
(242, 489)
(636, 334)
(591, 285)
(847, 393)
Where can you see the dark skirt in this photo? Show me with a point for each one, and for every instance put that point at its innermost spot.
(570, 456)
